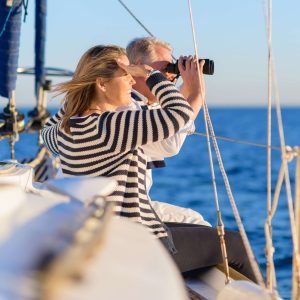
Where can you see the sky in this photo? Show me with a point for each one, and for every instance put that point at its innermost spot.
(231, 32)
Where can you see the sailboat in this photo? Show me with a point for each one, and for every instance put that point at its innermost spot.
(211, 284)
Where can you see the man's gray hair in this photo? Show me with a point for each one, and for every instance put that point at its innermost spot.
(142, 50)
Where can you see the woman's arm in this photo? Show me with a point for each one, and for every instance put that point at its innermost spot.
(55, 118)
(50, 132)
(132, 129)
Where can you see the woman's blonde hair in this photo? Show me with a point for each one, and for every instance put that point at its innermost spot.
(98, 61)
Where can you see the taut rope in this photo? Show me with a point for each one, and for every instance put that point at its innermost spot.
(14, 137)
(7, 18)
(132, 14)
(224, 138)
(249, 251)
(296, 258)
(220, 224)
(287, 155)
(269, 251)
(138, 21)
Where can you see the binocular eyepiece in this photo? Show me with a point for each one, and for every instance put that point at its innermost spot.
(208, 67)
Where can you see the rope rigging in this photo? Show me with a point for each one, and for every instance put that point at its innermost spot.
(244, 142)
(220, 224)
(296, 258)
(25, 5)
(242, 231)
(269, 251)
(132, 14)
(12, 6)
(287, 154)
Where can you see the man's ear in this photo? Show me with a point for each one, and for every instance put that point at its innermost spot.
(101, 84)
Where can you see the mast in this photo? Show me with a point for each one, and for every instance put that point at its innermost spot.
(39, 115)
(11, 122)
(10, 26)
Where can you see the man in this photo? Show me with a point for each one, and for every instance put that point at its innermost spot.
(196, 246)
(158, 54)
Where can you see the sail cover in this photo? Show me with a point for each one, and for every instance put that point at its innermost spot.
(10, 27)
(40, 38)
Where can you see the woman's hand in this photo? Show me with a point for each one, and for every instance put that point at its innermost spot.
(136, 70)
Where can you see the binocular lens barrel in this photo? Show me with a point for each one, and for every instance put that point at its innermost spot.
(208, 67)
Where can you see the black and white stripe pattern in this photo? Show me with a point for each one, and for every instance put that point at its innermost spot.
(44, 170)
(108, 144)
(154, 164)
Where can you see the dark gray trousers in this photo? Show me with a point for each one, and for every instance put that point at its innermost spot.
(199, 247)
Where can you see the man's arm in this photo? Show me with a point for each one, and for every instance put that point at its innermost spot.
(193, 87)
(170, 146)
(167, 147)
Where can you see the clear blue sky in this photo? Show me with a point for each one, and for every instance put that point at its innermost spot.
(230, 32)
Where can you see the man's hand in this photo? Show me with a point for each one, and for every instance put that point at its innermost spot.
(193, 87)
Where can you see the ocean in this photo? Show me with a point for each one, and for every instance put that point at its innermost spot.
(186, 181)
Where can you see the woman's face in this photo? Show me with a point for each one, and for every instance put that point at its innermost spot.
(118, 88)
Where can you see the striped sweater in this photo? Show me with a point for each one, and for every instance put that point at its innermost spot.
(109, 144)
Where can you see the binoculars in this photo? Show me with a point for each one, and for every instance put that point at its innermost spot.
(208, 67)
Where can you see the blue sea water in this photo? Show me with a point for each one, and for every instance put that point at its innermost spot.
(186, 181)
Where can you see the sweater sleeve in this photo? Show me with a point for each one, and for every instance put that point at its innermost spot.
(50, 132)
(127, 130)
(55, 118)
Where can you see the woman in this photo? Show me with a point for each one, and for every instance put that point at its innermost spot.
(93, 137)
